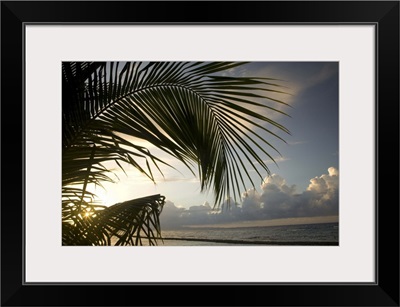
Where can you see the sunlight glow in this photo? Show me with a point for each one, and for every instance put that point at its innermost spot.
(106, 198)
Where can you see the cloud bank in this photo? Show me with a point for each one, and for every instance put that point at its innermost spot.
(276, 199)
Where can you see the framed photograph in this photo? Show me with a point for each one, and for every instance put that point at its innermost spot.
(202, 148)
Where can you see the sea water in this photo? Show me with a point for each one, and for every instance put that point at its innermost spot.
(310, 234)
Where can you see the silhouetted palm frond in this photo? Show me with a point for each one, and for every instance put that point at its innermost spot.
(134, 222)
(186, 109)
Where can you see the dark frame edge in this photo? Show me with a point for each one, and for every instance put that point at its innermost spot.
(388, 89)
(385, 293)
(11, 61)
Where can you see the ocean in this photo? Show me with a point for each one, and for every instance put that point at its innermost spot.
(310, 234)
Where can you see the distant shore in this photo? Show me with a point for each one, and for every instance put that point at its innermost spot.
(272, 222)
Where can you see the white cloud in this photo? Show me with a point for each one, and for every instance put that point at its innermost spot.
(333, 171)
(171, 216)
(276, 200)
(320, 198)
(251, 202)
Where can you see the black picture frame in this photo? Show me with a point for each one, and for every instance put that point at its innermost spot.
(383, 14)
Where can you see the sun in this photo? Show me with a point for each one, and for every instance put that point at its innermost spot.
(105, 197)
(102, 195)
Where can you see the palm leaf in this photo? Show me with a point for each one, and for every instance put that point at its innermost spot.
(133, 222)
(183, 108)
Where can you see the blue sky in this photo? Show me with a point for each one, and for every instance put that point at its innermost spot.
(314, 124)
(310, 150)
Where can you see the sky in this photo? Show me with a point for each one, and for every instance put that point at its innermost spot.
(305, 181)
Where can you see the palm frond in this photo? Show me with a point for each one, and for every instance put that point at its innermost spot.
(186, 109)
(181, 108)
(134, 222)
